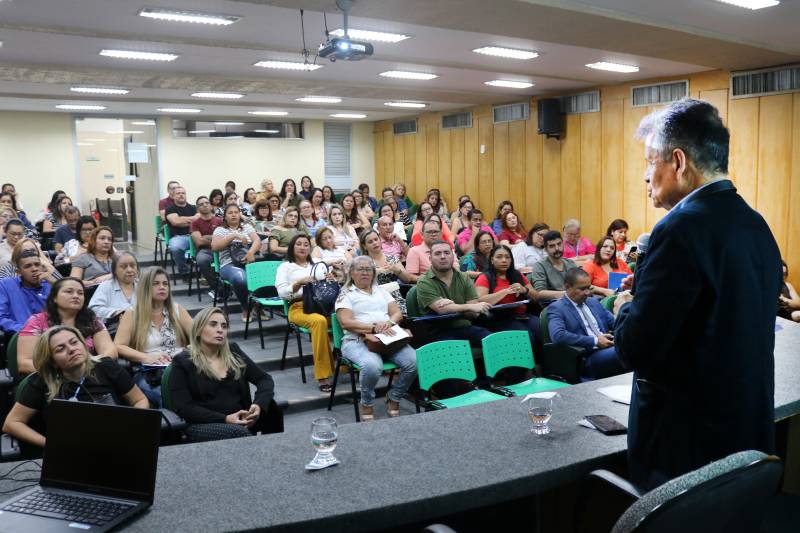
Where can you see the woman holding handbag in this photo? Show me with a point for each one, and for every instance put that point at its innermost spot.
(293, 275)
(237, 244)
(364, 310)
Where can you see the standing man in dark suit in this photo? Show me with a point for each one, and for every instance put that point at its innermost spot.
(700, 331)
(578, 320)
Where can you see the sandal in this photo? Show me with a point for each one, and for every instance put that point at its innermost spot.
(393, 413)
(365, 413)
(325, 387)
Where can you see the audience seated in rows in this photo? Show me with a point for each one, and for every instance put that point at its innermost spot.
(364, 310)
(94, 266)
(23, 295)
(237, 244)
(604, 262)
(548, 274)
(65, 370)
(577, 319)
(293, 274)
(202, 229)
(65, 305)
(418, 260)
(210, 385)
(152, 332)
(116, 295)
(389, 268)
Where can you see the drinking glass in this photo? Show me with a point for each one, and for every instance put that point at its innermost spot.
(324, 433)
(539, 409)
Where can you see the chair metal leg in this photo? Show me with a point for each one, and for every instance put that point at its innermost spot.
(335, 381)
(285, 345)
(249, 314)
(260, 327)
(300, 352)
(191, 276)
(353, 391)
(199, 292)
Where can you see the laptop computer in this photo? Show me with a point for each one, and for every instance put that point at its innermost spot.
(99, 469)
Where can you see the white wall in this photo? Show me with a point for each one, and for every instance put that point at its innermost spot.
(36, 155)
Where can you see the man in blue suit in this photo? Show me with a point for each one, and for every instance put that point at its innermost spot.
(700, 331)
(578, 320)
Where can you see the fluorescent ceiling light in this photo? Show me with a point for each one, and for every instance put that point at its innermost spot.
(319, 99)
(369, 35)
(613, 67)
(221, 96)
(85, 144)
(510, 53)
(144, 123)
(81, 107)
(287, 65)
(202, 131)
(132, 54)
(188, 16)
(98, 90)
(405, 104)
(510, 84)
(125, 132)
(269, 113)
(751, 4)
(229, 123)
(267, 131)
(179, 110)
(406, 75)
(349, 115)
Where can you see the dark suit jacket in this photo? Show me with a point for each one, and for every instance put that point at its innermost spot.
(566, 325)
(699, 335)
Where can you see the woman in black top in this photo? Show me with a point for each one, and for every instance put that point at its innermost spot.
(209, 386)
(66, 371)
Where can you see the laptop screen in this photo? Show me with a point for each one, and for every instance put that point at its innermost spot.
(102, 449)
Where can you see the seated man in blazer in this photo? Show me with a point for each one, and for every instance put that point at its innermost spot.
(578, 320)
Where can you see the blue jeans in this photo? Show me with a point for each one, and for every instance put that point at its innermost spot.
(602, 364)
(204, 260)
(236, 276)
(153, 394)
(372, 367)
(178, 246)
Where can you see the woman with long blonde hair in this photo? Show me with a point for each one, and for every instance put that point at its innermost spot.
(210, 385)
(65, 370)
(154, 330)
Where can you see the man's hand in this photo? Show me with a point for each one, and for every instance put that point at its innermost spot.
(439, 304)
(622, 298)
(627, 283)
(480, 307)
(605, 340)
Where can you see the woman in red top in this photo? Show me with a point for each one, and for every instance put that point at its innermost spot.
(513, 230)
(503, 284)
(605, 261)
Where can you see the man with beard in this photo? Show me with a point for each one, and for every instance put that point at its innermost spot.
(548, 274)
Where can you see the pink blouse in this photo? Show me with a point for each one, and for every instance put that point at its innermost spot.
(38, 324)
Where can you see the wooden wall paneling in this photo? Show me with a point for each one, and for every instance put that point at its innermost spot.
(743, 160)
(501, 187)
(775, 164)
(445, 166)
(483, 196)
(792, 256)
(421, 174)
(551, 183)
(591, 172)
(612, 160)
(388, 147)
(410, 163)
(432, 142)
(471, 156)
(634, 193)
(399, 157)
(457, 183)
(380, 177)
(516, 166)
(570, 170)
(719, 99)
(533, 172)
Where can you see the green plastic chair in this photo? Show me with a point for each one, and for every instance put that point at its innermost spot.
(513, 348)
(560, 361)
(632, 266)
(608, 302)
(412, 304)
(194, 271)
(166, 393)
(450, 360)
(158, 247)
(352, 367)
(409, 233)
(221, 283)
(261, 281)
(11, 357)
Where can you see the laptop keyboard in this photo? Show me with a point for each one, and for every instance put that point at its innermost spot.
(68, 507)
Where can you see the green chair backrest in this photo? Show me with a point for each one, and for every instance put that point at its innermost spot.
(158, 224)
(444, 360)
(544, 327)
(192, 248)
(412, 305)
(21, 387)
(166, 393)
(215, 262)
(338, 332)
(261, 274)
(608, 302)
(286, 309)
(409, 233)
(632, 266)
(507, 348)
(11, 356)
(165, 232)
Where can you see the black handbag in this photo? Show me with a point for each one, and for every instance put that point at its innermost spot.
(320, 296)
(238, 251)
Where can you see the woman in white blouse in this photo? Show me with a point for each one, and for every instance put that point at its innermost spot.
(293, 274)
(116, 295)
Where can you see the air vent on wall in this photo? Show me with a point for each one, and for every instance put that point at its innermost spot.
(405, 127)
(581, 103)
(765, 81)
(659, 93)
(511, 112)
(457, 120)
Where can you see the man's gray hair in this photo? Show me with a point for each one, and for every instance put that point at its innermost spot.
(71, 210)
(572, 223)
(693, 126)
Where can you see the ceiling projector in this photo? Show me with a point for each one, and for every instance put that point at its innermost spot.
(345, 49)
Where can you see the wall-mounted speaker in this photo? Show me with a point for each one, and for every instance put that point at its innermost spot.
(550, 118)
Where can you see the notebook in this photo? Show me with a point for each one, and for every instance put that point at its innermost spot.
(99, 469)
(615, 279)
